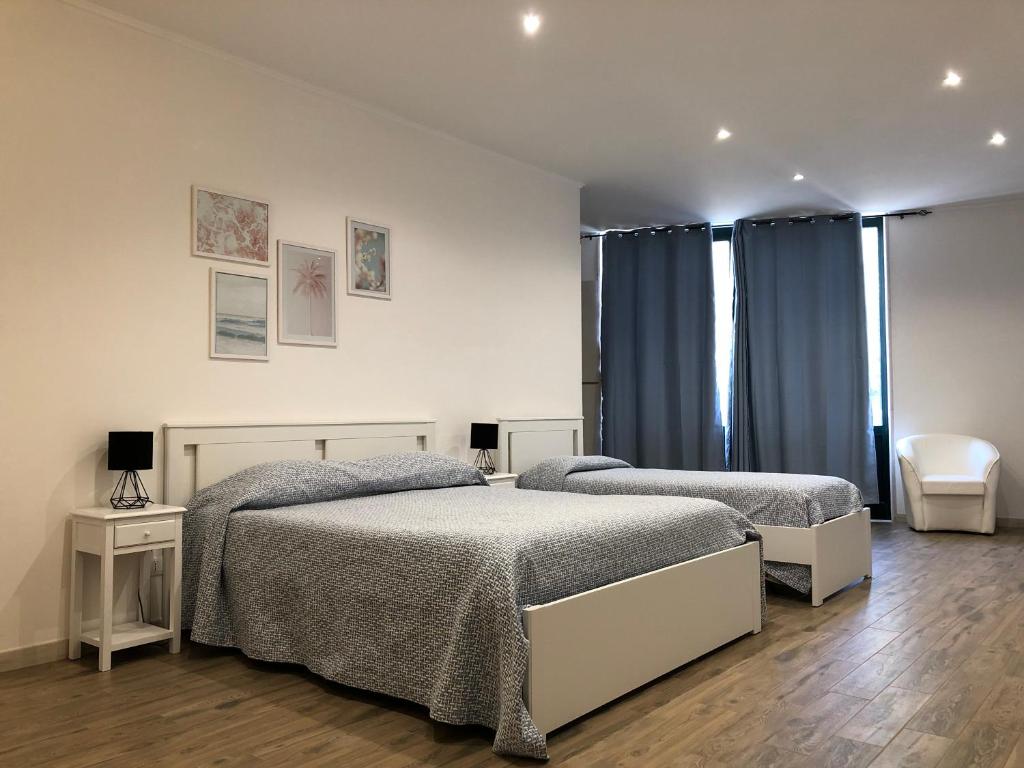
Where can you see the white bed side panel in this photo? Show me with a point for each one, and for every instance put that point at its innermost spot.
(838, 551)
(787, 544)
(591, 648)
(842, 554)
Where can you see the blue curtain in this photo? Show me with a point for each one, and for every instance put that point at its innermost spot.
(800, 367)
(659, 401)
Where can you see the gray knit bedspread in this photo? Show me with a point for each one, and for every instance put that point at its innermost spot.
(406, 575)
(798, 501)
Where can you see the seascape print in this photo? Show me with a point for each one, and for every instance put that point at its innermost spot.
(227, 227)
(306, 291)
(369, 260)
(240, 316)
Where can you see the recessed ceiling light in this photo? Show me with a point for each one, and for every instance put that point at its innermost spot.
(952, 79)
(531, 23)
(997, 139)
(723, 134)
(798, 177)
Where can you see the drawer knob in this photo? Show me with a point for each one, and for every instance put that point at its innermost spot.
(146, 534)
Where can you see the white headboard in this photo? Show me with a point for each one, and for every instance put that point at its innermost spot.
(196, 455)
(524, 441)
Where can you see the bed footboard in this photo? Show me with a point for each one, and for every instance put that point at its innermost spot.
(839, 551)
(591, 648)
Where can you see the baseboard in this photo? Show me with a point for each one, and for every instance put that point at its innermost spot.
(1001, 522)
(30, 655)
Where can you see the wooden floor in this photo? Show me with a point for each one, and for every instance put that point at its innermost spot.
(923, 666)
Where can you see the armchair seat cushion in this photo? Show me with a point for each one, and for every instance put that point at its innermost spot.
(952, 485)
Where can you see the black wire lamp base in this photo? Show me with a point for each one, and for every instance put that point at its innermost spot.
(118, 499)
(484, 462)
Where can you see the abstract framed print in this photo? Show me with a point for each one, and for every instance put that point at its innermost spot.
(230, 227)
(369, 260)
(238, 315)
(306, 295)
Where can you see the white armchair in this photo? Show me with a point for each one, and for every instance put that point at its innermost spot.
(949, 482)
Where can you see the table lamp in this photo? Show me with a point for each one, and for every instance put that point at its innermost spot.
(483, 437)
(129, 452)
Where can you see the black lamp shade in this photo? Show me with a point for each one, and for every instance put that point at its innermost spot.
(483, 436)
(130, 450)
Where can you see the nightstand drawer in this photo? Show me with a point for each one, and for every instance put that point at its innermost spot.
(133, 534)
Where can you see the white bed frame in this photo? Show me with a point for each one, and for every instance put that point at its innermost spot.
(585, 650)
(838, 552)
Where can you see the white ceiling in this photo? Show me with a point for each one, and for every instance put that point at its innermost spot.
(626, 96)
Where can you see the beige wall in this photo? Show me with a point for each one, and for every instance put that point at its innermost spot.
(103, 312)
(956, 282)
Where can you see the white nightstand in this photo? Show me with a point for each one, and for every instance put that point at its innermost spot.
(108, 533)
(502, 480)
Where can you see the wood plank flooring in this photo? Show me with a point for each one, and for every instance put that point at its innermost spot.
(924, 666)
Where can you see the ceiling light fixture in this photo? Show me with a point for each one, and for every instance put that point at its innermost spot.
(952, 79)
(997, 139)
(531, 23)
(723, 134)
(798, 177)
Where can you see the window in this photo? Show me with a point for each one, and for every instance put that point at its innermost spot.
(721, 259)
(873, 292)
(874, 288)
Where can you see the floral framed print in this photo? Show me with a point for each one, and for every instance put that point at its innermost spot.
(230, 227)
(306, 291)
(369, 260)
(238, 315)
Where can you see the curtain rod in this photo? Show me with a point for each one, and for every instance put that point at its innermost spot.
(902, 214)
(792, 220)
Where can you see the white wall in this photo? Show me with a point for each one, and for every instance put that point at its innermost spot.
(956, 281)
(103, 312)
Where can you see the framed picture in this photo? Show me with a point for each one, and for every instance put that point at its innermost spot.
(306, 295)
(230, 227)
(238, 315)
(369, 260)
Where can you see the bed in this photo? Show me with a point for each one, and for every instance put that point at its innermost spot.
(408, 575)
(816, 531)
